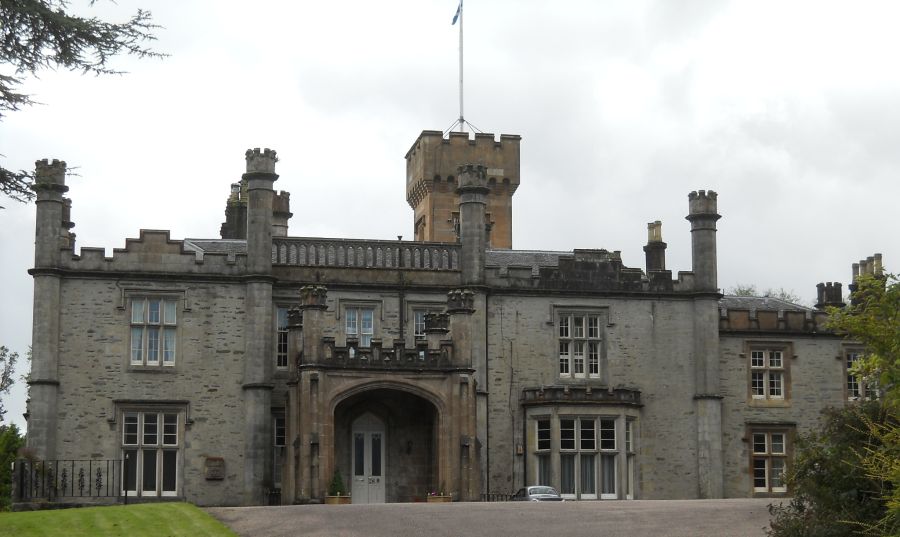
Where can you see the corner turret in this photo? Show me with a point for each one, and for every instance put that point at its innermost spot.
(703, 215)
(473, 233)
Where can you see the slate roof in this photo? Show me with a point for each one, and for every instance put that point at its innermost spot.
(523, 258)
(755, 303)
(217, 246)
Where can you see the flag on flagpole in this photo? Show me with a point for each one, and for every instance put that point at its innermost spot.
(458, 11)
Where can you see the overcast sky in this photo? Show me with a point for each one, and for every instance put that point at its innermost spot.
(788, 109)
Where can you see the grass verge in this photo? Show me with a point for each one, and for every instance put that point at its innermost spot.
(173, 519)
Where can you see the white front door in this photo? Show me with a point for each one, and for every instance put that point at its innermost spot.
(368, 460)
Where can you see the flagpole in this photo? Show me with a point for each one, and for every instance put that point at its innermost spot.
(462, 121)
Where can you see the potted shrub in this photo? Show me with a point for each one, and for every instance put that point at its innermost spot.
(439, 495)
(337, 492)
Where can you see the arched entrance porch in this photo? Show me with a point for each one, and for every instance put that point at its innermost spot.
(385, 445)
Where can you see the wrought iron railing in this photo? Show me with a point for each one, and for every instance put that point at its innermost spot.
(66, 478)
(496, 497)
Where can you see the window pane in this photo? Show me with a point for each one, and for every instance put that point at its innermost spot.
(129, 460)
(775, 384)
(170, 429)
(578, 325)
(169, 470)
(629, 436)
(137, 310)
(351, 322)
(607, 434)
(419, 324)
(148, 476)
(608, 471)
(564, 357)
(759, 443)
(588, 473)
(359, 454)
(564, 327)
(757, 359)
(152, 345)
(775, 359)
(367, 321)
(543, 472)
(279, 431)
(169, 345)
(778, 443)
(593, 327)
(153, 311)
(566, 434)
(130, 429)
(579, 358)
(137, 345)
(759, 475)
(376, 454)
(567, 474)
(777, 476)
(757, 384)
(151, 429)
(593, 358)
(588, 438)
(543, 434)
(170, 311)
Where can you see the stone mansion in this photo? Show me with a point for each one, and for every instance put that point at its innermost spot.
(235, 370)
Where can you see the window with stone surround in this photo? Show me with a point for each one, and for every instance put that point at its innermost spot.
(769, 372)
(151, 452)
(579, 338)
(587, 451)
(857, 388)
(769, 459)
(281, 337)
(153, 330)
(359, 323)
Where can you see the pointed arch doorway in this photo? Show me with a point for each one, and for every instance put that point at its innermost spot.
(368, 444)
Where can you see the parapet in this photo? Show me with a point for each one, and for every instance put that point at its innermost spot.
(261, 161)
(703, 202)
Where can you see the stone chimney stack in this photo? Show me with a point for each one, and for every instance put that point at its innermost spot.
(829, 295)
(870, 266)
(656, 248)
(472, 189)
(703, 216)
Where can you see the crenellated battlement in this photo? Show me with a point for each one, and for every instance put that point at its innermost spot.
(703, 202)
(49, 172)
(281, 203)
(261, 161)
(471, 176)
(155, 252)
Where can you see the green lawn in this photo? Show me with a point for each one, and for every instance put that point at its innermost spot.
(149, 519)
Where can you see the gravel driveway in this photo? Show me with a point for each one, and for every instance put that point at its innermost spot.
(669, 518)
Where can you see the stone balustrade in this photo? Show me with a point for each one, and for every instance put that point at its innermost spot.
(350, 253)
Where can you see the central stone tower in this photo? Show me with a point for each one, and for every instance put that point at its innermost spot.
(431, 183)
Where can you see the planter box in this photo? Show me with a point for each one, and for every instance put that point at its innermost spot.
(337, 500)
(439, 499)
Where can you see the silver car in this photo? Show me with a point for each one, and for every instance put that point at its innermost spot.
(537, 493)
